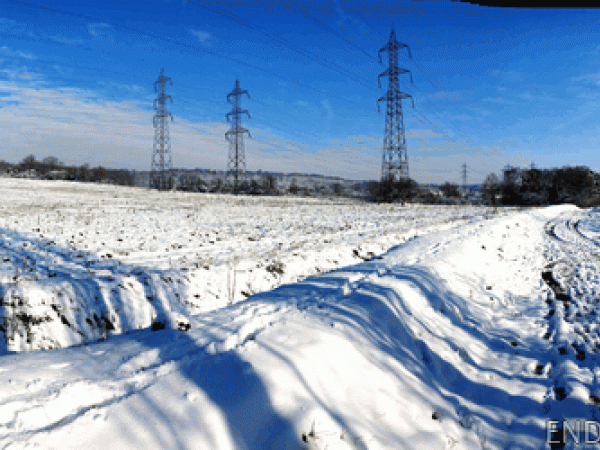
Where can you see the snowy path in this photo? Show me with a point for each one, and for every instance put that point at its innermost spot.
(465, 338)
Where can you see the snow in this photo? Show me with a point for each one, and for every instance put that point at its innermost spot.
(364, 327)
(79, 261)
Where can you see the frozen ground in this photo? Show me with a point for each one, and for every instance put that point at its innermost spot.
(78, 261)
(469, 336)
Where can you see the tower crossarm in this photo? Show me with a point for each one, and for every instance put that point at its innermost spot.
(236, 93)
(236, 131)
(161, 99)
(236, 112)
(394, 71)
(160, 84)
(158, 119)
(398, 95)
(393, 45)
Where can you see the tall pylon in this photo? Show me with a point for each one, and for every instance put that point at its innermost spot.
(463, 171)
(395, 158)
(236, 163)
(161, 157)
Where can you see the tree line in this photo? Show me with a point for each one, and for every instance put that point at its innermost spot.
(51, 168)
(535, 187)
(517, 187)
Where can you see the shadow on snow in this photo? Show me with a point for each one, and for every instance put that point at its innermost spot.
(228, 381)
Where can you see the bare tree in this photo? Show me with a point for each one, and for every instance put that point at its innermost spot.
(51, 162)
(450, 190)
(491, 188)
(28, 163)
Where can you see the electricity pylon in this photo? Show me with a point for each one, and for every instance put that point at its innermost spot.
(236, 163)
(161, 156)
(464, 179)
(395, 158)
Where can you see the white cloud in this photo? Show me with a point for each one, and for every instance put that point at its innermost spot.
(79, 127)
(24, 75)
(420, 133)
(364, 139)
(65, 41)
(442, 161)
(129, 87)
(72, 125)
(448, 95)
(590, 79)
(6, 24)
(62, 70)
(348, 161)
(359, 29)
(204, 37)
(5, 51)
(499, 100)
(101, 31)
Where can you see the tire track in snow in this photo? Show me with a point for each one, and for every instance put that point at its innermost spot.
(572, 326)
(60, 403)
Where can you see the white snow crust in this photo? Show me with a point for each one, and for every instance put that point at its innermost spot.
(140, 319)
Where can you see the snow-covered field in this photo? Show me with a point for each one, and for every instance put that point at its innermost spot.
(78, 261)
(470, 331)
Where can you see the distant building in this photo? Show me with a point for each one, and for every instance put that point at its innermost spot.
(56, 175)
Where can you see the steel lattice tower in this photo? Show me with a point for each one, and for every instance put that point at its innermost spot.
(236, 164)
(464, 177)
(395, 158)
(161, 156)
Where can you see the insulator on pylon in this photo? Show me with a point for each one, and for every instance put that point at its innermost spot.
(395, 158)
(236, 163)
(160, 174)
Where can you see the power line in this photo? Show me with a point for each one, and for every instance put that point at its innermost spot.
(425, 77)
(321, 61)
(87, 17)
(431, 102)
(182, 101)
(196, 49)
(214, 54)
(371, 57)
(368, 55)
(420, 116)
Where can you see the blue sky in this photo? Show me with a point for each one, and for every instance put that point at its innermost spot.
(492, 86)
